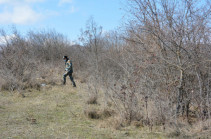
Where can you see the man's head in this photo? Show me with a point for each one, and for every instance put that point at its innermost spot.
(65, 57)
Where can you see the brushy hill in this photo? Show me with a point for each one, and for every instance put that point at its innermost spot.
(149, 78)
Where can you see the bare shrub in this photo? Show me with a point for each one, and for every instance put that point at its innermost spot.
(92, 113)
(9, 86)
(15, 66)
(114, 122)
(92, 100)
(23, 60)
(164, 34)
(159, 70)
(107, 112)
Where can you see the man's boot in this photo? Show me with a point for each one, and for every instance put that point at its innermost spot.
(64, 81)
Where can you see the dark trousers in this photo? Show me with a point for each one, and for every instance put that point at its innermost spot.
(69, 73)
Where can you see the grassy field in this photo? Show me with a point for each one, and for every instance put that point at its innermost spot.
(58, 112)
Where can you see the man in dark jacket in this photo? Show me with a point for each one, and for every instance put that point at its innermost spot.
(68, 70)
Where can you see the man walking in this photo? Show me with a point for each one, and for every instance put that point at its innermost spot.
(68, 70)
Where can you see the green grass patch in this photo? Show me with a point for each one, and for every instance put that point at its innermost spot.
(55, 113)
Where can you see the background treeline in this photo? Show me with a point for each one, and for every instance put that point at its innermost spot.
(155, 70)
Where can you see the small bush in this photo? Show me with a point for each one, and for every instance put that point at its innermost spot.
(92, 114)
(113, 122)
(92, 100)
(107, 113)
(9, 86)
(175, 133)
(31, 85)
(99, 114)
(137, 124)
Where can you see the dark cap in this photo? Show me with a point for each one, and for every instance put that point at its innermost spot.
(64, 57)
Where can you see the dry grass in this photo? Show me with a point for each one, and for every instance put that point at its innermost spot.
(58, 112)
(92, 100)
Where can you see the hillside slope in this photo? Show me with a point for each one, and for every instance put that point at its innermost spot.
(57, 112)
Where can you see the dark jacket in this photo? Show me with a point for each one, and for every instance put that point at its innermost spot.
(68, 66)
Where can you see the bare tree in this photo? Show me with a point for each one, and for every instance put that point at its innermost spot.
(172, 36)
(91, 38)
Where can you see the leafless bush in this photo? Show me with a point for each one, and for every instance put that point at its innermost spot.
(168, 37)
(15, 66)
(99, 114)
(92, 100)
(24, 60)
(92, 114)
(160, 70)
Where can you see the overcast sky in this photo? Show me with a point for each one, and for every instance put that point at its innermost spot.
(65, 16)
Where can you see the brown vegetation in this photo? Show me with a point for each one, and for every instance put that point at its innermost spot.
(156, 73)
